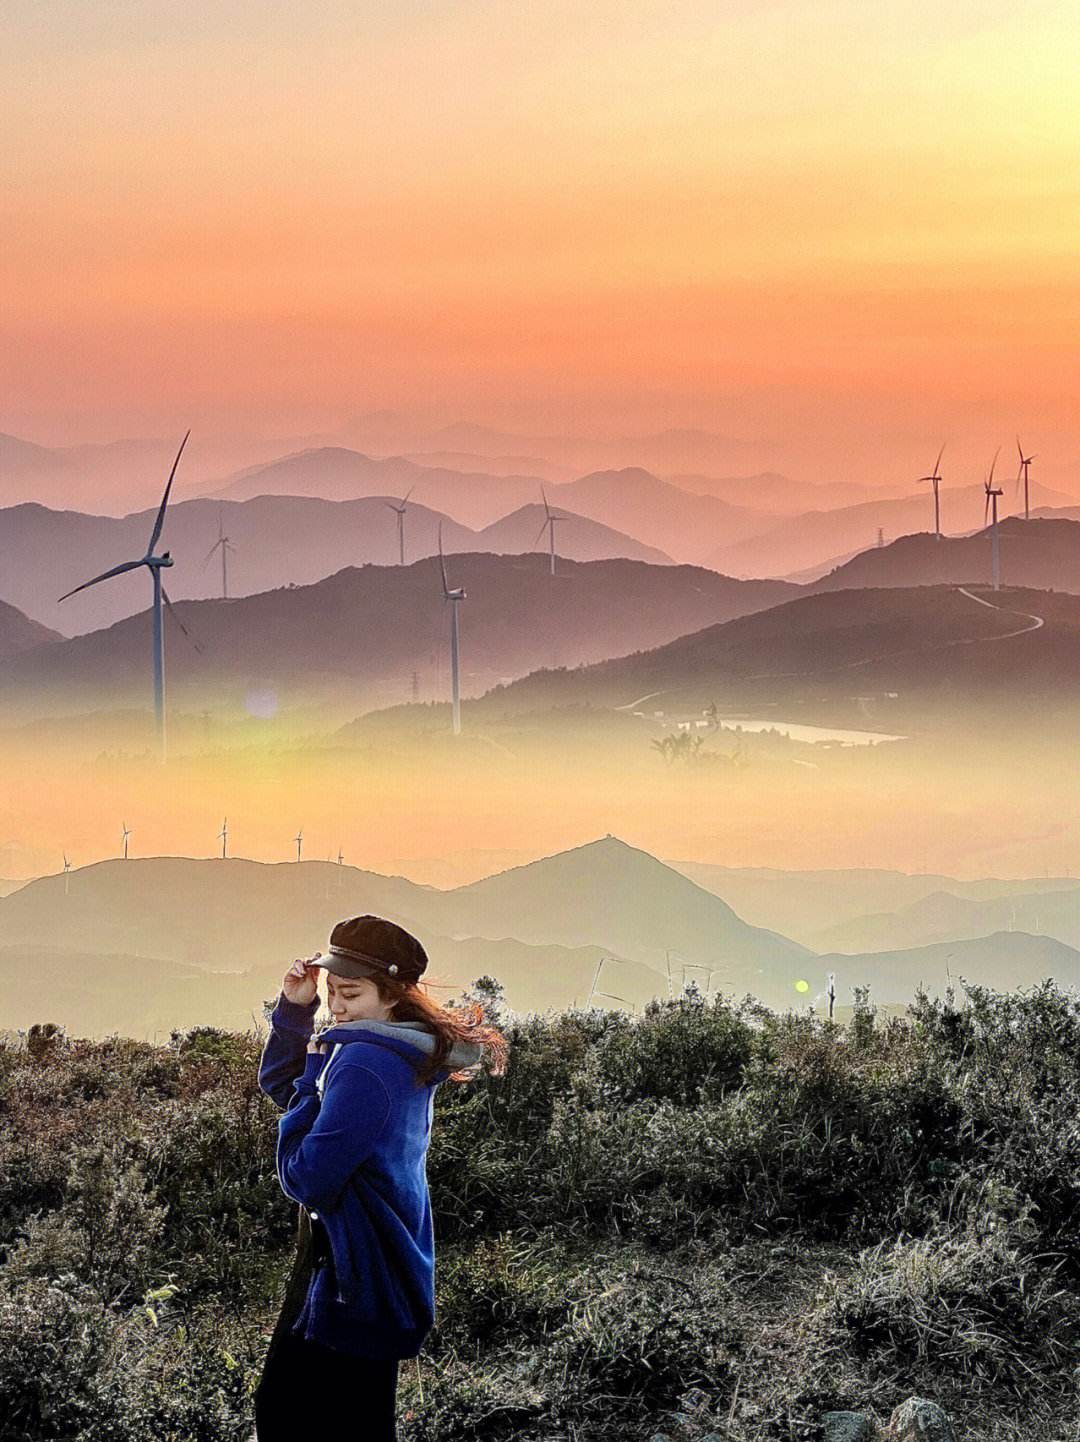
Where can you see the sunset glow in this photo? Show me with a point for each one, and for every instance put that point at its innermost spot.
(769, 220)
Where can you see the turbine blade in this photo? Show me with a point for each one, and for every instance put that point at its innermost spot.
(442, 565)
(547, 508)
(211, 551)
(542, 529)
(156, 534)
(407, 494)
(937, 463)
(176, 617)
(116, 571)
(993, 463)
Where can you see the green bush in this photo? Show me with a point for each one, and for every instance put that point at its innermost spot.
(591, 1207)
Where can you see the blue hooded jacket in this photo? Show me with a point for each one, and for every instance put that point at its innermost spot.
(352, 1148)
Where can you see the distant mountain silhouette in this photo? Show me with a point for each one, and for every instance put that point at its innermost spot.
(924, 644)
(808, 905)
(276, 540)
(576, 536)
(18, 633)
(816, 537)
(338, 474)
(216, 915)
(779, 495)
(112, 477)
(357, 637)
(686, 526)
(630, 500)
(611, 894)
(95, 994)
(544, 930)
(674, 449)
(1004, 960)
(941, 917)
(492, 465)
(1041, 555)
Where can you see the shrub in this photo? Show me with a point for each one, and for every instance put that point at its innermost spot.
(984, 1304)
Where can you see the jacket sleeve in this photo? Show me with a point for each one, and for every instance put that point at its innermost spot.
(291, 1025)
(320, 1146)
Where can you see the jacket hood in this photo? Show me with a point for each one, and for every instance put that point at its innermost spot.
(410, 1034)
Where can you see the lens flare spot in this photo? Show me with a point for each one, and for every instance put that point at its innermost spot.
(802, 985)
(262, 702)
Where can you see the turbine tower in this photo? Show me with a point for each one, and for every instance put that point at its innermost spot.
(399, 510)
(126, 834)
(992, 494)
(67, 872)
(340, 856)
(1025, 462)
(299, 839)
(935, 480)
(223, 837)
(226, 546)
(455, 596)
(154, 564)
(550, 519)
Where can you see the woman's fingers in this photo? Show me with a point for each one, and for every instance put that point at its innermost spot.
(300, 981)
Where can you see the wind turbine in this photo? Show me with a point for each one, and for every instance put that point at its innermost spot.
(223, 837)
(455, 596)
(126, 834)
(299, 839)
(226, 546)
(67, 872)
(935, 480)
(154, 565)
(1025, 462)
(992, 494)
(340, 856)
(399, 509)
(550, 519)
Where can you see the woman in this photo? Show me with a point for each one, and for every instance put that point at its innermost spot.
(352, 1147)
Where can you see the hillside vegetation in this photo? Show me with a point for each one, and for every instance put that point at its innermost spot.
(709, 1220)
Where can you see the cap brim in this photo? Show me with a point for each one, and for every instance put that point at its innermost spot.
(344, 966)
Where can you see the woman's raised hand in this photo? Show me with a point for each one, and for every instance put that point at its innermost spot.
(299, 983)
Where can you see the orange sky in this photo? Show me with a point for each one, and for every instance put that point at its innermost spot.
(776, 220)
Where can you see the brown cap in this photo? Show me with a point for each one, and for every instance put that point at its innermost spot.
(370, 946)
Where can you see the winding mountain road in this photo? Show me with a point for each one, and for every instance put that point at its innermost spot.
(1036, 621)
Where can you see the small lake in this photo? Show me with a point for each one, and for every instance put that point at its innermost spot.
(798, 732)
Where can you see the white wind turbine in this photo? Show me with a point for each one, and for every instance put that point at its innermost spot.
(992, 494)
(935, 480)
(299, 839)
(223, 837)
(1025, 462)
(226, 545)
(340, 856)
(399, 509)
(67, 872)
(455, 596)
(154, 564)
(126, 834)
(550, 519)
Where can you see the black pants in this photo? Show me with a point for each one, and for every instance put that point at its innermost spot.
(308, 1391)
(305, 1387)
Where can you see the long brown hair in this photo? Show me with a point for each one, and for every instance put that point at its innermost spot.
(450, 1024)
